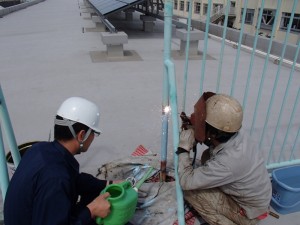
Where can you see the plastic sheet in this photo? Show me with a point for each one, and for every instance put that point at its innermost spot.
(156, 200)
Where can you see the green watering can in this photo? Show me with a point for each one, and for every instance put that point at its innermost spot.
(123, 200)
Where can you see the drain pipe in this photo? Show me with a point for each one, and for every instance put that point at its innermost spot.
(168, 12)
(170, 92)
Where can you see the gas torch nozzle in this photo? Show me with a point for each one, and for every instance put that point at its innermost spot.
(185, 121)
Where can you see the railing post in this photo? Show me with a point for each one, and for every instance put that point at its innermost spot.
(5, 120)
(4, 180)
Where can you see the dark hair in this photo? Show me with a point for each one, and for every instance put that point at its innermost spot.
(64, 133)
(220, 136)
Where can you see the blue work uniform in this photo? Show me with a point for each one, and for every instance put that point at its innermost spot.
(47, 189)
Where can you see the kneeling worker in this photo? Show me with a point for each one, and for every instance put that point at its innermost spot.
(232, 185)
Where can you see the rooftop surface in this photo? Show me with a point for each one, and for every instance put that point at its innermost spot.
(52, 50)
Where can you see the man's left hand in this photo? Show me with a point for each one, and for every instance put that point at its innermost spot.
(187, 139)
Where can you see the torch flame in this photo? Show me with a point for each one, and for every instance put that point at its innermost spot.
(167, 109)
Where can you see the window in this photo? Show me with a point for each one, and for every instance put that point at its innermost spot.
(197, 7)
(181, 6)
(205, 7)
(268, 17)
(285, 19)
(217, 7)
(175, 4)
(187, 6)
(249, 16)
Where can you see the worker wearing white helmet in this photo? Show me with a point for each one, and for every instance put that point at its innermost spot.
(231, 186)
(46, 186)
(74, 112)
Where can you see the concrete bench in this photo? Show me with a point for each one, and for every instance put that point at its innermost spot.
(99, 25)
(195, 36)
(114, 43)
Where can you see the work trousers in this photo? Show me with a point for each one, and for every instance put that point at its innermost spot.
(217, 208)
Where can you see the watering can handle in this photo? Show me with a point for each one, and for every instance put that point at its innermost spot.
(99, 220)
(124, 184)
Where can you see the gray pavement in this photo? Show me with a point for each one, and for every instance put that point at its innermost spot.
(45, 57)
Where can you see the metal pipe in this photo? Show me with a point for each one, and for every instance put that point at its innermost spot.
(265, 67)
(108, 24)
(170, 82)
(4, 117)
(168, 12)
(4, 180)
(283, 164)
(173, 99)
(237, 58)
(164, 145)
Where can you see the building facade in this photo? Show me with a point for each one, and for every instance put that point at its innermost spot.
(218, 9)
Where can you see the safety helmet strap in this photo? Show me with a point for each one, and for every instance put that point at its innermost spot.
(70, 123)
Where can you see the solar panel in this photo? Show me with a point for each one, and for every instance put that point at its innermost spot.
(106, 7)
(128, 1)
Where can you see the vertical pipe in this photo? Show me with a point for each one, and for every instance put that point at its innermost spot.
(4, 180)
(265, 67)
(237, 58)
(173, 96)
(276, 83)
(253, 54)
(187, 49)
(169, 72)
(4, 117)
(222, 46)
(168, 13)
(164, 144)
(205, 46)
(289, 126)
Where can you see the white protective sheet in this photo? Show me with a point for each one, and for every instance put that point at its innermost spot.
(157, 200)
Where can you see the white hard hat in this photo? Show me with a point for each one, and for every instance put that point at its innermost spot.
(224, 113)
(80, 110)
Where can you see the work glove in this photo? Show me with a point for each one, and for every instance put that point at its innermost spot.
(186, 139)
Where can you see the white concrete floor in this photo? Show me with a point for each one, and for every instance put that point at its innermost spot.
(45, 57)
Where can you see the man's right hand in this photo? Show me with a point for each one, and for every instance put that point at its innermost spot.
(100, 206)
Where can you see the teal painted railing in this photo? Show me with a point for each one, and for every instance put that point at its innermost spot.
(8, 130)
(170, 95)
(265, 132)
(278, 138)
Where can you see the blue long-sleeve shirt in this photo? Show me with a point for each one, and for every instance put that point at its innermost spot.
(46, 186)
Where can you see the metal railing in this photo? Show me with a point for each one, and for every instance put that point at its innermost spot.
(277, 138)
(8, 130)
